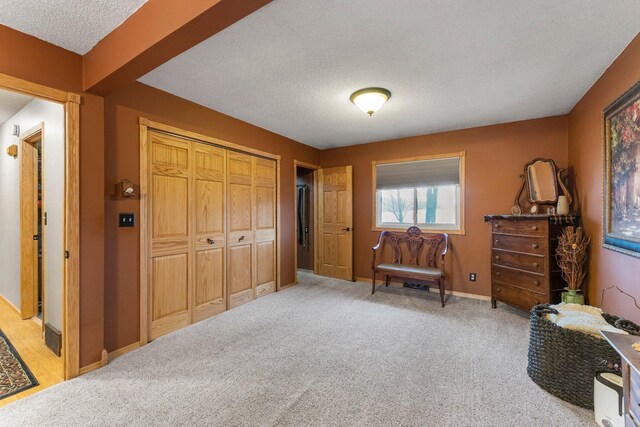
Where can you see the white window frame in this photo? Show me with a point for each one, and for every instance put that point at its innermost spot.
(436, 228)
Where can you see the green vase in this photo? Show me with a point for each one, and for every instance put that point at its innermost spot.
(572, 296)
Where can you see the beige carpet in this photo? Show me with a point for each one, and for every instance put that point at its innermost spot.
(326, 352)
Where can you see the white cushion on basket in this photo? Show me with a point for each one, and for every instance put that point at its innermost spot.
(583, 318)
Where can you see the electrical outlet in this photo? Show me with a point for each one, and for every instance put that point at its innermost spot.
(472, 277)
(126, 220)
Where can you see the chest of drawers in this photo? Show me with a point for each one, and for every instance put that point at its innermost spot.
(524, 271)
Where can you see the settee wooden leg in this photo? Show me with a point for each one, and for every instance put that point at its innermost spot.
(386, 283)
(373, 283)
(441, 286)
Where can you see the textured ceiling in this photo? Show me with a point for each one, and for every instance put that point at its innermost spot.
(291, 66)
(11, 103)
(76, 25)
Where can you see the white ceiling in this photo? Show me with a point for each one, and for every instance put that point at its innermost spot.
(11, 103)
(291, 66)
(76, 25)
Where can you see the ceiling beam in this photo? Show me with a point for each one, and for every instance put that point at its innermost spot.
(155, 33)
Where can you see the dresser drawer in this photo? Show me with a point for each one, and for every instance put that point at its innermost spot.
(518, 297)
(520, 226)
(522, 244)
(534, 263)
(520, 279)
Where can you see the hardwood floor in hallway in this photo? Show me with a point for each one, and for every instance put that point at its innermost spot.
(26, 337)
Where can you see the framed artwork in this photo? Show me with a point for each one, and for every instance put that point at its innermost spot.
(622, 173)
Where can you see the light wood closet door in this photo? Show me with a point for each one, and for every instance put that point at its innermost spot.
(170, 287)
(240, 222)
(335, 221)
(209, 199)
(265, 226)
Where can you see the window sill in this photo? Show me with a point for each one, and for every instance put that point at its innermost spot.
(460, 232)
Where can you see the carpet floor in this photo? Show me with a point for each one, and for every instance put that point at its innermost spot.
(326, 352)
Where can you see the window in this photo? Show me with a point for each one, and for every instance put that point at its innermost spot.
(427, 192)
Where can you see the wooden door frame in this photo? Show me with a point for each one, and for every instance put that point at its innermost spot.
(314, 168)
(145, 126)
(71, 247)
(29, 288)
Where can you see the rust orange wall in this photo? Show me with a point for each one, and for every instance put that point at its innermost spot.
(495, 157)
(31, 59)
(606, 267)
(122, 160)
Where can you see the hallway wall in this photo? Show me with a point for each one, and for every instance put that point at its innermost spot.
(52, 115)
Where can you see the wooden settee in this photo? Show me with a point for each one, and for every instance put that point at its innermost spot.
(416, 256)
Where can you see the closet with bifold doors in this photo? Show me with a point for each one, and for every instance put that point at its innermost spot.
(208, 229)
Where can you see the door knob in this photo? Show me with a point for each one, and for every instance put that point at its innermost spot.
(210, 241)
(346, 229)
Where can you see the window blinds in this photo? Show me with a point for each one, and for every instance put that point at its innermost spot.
(421, 173)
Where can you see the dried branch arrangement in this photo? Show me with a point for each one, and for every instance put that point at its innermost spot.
(572, 256)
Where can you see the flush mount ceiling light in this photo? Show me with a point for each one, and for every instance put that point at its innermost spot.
(370, 99)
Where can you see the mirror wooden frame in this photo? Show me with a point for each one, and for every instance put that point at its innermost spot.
(559, 183)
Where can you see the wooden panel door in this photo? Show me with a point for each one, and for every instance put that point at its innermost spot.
(209, 180)
(335, 222)
(29, 221)
(170, 282)
(265, 226)
(240, 223)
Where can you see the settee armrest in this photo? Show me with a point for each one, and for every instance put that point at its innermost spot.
(376, 247)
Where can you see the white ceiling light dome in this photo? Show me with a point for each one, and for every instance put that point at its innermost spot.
(370, 99)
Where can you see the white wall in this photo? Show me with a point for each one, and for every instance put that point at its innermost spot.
(52, 115)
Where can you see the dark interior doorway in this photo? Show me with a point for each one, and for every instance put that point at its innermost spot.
(305, 206)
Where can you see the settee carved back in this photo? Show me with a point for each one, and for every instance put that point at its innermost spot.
(416, 241)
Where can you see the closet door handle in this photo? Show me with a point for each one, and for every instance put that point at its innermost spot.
(346, 229)
(210, 241)
(241, 239)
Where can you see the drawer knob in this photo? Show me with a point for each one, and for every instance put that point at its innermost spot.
(534, 246)
(534, 227)
(498, 290)
(535, 264)
(497, 274)
(535, 282)
(496, 225)
(497, 241)
(497, 256)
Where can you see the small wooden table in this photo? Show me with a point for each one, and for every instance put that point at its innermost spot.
(630, 374)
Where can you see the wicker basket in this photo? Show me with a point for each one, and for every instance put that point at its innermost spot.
(564, 362)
